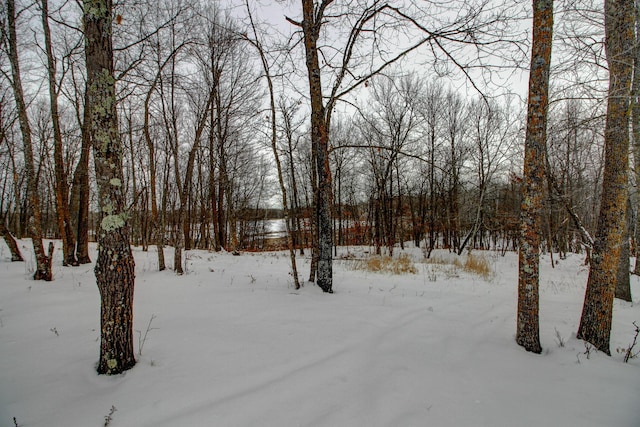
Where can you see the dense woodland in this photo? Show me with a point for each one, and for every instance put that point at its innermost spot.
(361, 122)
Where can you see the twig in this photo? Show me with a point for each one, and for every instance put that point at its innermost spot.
(142, 339)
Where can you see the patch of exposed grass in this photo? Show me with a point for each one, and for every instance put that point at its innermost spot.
(386, 264)
(471, 264)
(478, 265)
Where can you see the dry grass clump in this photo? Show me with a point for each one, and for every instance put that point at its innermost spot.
(386, 264)
(478, 265)
(471, 264)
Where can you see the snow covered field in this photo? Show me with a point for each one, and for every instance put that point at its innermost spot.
(233, 344)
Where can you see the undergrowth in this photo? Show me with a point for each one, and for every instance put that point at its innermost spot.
(471, 264)
(386, 264)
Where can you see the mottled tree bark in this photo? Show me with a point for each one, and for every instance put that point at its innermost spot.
(115, 267)
(595, 323)
(311, 24)
(623, 281)
(43, 263)
(635, 130)
(528, 334)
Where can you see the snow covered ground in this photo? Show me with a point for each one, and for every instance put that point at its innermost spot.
(233, 344)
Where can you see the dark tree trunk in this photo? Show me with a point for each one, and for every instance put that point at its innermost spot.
(115, 267)
(528, 334)
(320, 145)
(61, 188)
(595, 323)
(11, 242)
(79, 205)
(43, 263)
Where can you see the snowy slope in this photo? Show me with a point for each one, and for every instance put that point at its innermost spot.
(233, 344)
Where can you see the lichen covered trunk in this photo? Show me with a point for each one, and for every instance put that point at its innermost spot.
(115, 268)
(595, 323)
(528, 333)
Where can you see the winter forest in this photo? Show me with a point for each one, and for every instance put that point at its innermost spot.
(446, 168)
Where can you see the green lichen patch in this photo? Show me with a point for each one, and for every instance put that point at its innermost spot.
(112, 222)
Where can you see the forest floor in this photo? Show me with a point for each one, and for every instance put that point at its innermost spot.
(231, 343)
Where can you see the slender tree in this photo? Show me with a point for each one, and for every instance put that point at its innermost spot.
(115, 264)
(255, 42)
(635, 130)
(61, 187)
(595, 323)
(43, 261)
(528, 334)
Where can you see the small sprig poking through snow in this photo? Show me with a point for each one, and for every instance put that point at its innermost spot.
(587, 349)
(108, 418)
(559, 338)
(143, 338)
(55, 331)
(629, 351)
(15, 422)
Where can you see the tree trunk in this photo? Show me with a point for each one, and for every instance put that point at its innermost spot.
(115, 267)
(595, 323)
(623, 282)
(528, 335)
(11, 242)
(61, 188)
(79, 204)
(274, 148)
(320, 146)
(43, 264)
(635, 128)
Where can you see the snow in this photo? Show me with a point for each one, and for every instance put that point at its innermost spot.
(233, 344)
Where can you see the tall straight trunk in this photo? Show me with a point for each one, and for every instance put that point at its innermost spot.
(61, 188)
(597, 312)
(635, 129)
(115, 267)
(320, 146)
(157, 233)
(184, 192)
(295, 200)
(528, 335)
(43, 262)
(80, 193)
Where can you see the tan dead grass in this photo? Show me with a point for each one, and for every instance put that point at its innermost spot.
(476, 264)
(386, 264)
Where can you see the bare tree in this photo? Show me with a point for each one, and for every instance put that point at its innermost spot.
(43, 261)
(61, 188)
(274, 143)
